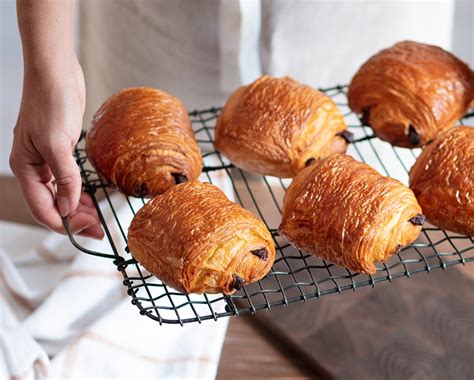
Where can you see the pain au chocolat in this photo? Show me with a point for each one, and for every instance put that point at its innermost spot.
(274, 125)
(196, 240)
(410, 92)
(443, 180)
(142, 142)
(345, 212)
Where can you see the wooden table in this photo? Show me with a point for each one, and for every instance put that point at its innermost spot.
(251, 352)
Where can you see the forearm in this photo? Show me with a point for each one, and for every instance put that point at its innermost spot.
(46, 29)
(50, 119)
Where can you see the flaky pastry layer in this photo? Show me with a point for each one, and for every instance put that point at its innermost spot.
(410, 92)
(345, 212)
(443, 180)
(196, 240)
(274, 125)
(141, 141)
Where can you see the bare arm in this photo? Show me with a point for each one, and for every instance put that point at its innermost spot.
(50, 119)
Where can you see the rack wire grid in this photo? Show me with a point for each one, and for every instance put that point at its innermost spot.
(295, 275)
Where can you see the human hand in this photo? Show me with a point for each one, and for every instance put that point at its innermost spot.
(48, 127)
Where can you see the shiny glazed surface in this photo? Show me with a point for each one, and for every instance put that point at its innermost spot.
(443, 180)
(274, 125)
(345, 212)
(411, 84)
(196, 240)
(141, 139)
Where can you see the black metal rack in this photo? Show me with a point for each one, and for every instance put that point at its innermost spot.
(295, 275)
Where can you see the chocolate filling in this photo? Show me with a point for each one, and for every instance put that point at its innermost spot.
(398, 249)
(309, 161)
(364, 119)
(418, 220)
(237, 282)
(346, 135)
(179, 178)
(413, 135)
(261, 253)
(142, 190)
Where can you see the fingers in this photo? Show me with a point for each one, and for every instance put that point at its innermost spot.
(86, 200)
(67, 177)
(95, 231)
(87, 208)
(39, 197)
(38, 192)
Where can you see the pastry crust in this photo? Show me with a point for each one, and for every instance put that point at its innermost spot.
(274, 125)
(197, 241)
(410, 92)
(141, 141)
(345, 212)
(443, 180)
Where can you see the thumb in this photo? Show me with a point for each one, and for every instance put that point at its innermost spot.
(67, 177)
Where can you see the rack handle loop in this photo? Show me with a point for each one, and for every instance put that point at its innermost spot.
(73, 241)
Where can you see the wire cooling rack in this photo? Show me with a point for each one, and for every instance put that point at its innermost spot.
(295, 275)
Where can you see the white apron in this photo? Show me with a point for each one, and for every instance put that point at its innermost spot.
(201, 50)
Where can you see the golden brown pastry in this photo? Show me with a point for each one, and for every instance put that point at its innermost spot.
(274, 125)
(443, 180)
(197, 241)
(141, 141)
(410, 92)
(345, 212)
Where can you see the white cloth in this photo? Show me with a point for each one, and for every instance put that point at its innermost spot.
(72, 307)
(21, 356)
(323, 43)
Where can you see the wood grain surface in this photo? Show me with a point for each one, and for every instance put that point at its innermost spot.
(417, 328)
(250, 352)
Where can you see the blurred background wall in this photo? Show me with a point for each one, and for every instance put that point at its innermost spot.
(11, 72)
